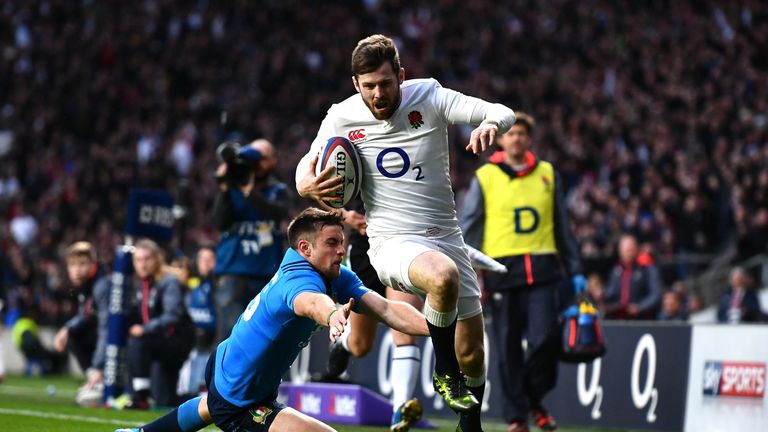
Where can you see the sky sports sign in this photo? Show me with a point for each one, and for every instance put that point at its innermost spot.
(728, 378)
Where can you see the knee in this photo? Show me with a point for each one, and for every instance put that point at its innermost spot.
(445, 280)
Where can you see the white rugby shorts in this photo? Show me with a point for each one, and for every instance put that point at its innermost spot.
(393, 256)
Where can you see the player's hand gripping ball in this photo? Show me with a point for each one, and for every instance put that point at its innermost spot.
(342, 155)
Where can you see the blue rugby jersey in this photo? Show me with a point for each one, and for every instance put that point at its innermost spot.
(268, 335)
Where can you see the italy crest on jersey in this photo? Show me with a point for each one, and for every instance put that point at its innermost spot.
(261, 414)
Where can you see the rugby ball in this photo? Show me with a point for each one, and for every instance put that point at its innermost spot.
(342, 155)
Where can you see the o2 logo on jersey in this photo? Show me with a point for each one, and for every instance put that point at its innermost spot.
(397, 153)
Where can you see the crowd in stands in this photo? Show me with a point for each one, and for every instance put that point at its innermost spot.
(655, 112)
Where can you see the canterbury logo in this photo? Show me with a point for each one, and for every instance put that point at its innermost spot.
(356, 135)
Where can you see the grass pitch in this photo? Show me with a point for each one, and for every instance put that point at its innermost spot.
(46, 405)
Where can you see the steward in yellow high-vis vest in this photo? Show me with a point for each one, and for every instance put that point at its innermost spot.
(518, 218)
(514, 213)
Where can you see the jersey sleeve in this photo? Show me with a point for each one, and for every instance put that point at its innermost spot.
(457, 107)
(300, 283)
(348, 286)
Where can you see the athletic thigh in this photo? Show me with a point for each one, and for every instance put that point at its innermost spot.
(392, 258)
(454, 247)
(290, 420)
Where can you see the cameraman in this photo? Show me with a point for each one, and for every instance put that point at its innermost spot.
(247, 211)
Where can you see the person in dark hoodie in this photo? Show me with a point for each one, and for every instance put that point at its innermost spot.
(514, 213)
(159, 328)
(85, 334)
(634, 287)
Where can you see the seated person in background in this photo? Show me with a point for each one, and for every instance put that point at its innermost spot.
(672, 308)
(85, 335)
(159, 329)
(25, 313)
(740, 304)
(596, 291)
(634, 287)
(201, 309)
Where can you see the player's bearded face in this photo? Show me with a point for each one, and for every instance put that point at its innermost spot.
(328, 251)
(380, 90)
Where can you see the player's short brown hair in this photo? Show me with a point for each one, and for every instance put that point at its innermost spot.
(81, 249)
(526, 120)
(309, 222)
(372, 52)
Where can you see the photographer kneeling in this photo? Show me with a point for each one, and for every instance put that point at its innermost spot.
(247, 211)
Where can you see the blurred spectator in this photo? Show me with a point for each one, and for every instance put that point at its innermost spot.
(159, 329)
(23, 226)
(672, 308)
(248, 210)
(596, 291)
(691, 302)
(85, 334)
(740, 304)
(634, 288)
(201, 308)
(39, 359)
(648, 116)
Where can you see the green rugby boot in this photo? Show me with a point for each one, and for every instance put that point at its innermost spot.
(454, 391)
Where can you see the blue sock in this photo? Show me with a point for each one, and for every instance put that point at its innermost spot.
(188, 417)
(185, 418)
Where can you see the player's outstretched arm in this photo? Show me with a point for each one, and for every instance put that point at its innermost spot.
(323, 310)
(482, 137)
(496, 120)
(396, 314)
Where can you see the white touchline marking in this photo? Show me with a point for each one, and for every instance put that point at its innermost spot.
(44, 414)
(11, 390)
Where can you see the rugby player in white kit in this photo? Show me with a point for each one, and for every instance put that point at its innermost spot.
(400, 131)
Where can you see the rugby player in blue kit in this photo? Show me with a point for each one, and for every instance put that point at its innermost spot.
(245, 370)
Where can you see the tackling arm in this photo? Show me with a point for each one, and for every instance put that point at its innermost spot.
(323, 310)
(396, 314)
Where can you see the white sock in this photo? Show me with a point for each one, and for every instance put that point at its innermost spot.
(437, 318)
(140, 384)
(475, 381)
(344, 338)
(405, 371)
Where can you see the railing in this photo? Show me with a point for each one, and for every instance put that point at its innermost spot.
(712, 281)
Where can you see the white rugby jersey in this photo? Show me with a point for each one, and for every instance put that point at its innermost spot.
(406, 186)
